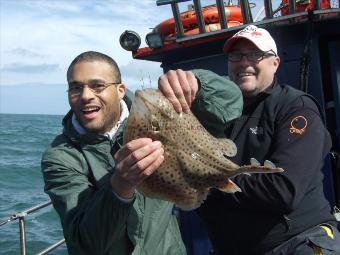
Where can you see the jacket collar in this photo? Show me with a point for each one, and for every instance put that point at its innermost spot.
(249, 104)
(271, 87)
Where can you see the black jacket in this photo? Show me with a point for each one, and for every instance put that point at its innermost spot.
(284, 126)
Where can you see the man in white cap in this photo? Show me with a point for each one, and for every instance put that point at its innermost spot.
(284, 213)
(252, 60)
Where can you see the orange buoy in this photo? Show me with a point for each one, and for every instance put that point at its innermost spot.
(189, 19)
(303, 6)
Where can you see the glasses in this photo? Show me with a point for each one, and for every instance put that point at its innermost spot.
(253, 56)
(97, 87)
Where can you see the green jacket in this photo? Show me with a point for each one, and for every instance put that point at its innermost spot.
(77, 169)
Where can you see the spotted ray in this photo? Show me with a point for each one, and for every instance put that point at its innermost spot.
(194, 160)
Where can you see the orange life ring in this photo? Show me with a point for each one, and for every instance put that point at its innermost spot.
(169, 39)
(189, 20)
(302, 6)
(212, 27)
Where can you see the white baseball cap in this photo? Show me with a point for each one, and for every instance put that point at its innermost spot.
(258, 36)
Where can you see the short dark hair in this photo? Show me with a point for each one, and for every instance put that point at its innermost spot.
(90, 56)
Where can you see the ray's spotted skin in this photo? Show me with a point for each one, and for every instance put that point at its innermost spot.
(194, 160)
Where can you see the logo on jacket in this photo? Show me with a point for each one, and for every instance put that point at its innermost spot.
(256, 130)
(298, 125)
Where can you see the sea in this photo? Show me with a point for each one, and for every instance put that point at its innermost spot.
(23, 139)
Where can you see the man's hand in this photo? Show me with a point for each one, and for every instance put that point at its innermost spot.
(180, 87)
(135, 161)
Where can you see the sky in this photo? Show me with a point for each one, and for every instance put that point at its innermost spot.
(39, 39)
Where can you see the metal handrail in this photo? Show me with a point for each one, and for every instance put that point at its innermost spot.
(52, 247)
(246, 14)
(21, 217)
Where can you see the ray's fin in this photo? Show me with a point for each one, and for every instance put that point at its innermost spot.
(227, 147)
(254, 162)
(255, 167)
(230, 187)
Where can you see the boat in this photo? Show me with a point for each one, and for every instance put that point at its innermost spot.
(308, 40)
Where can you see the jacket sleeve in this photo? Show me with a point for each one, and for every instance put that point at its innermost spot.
(218, 101)
(93, 218)
(300, 145)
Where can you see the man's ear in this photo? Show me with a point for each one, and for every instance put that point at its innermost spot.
(276, 63)
(121, 89)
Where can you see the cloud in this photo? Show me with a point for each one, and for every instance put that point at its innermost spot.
(128, 12)
(22, 68)
(38, 34)
(22, 52)
(59, 6)
(59, 30)
(40, 38)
